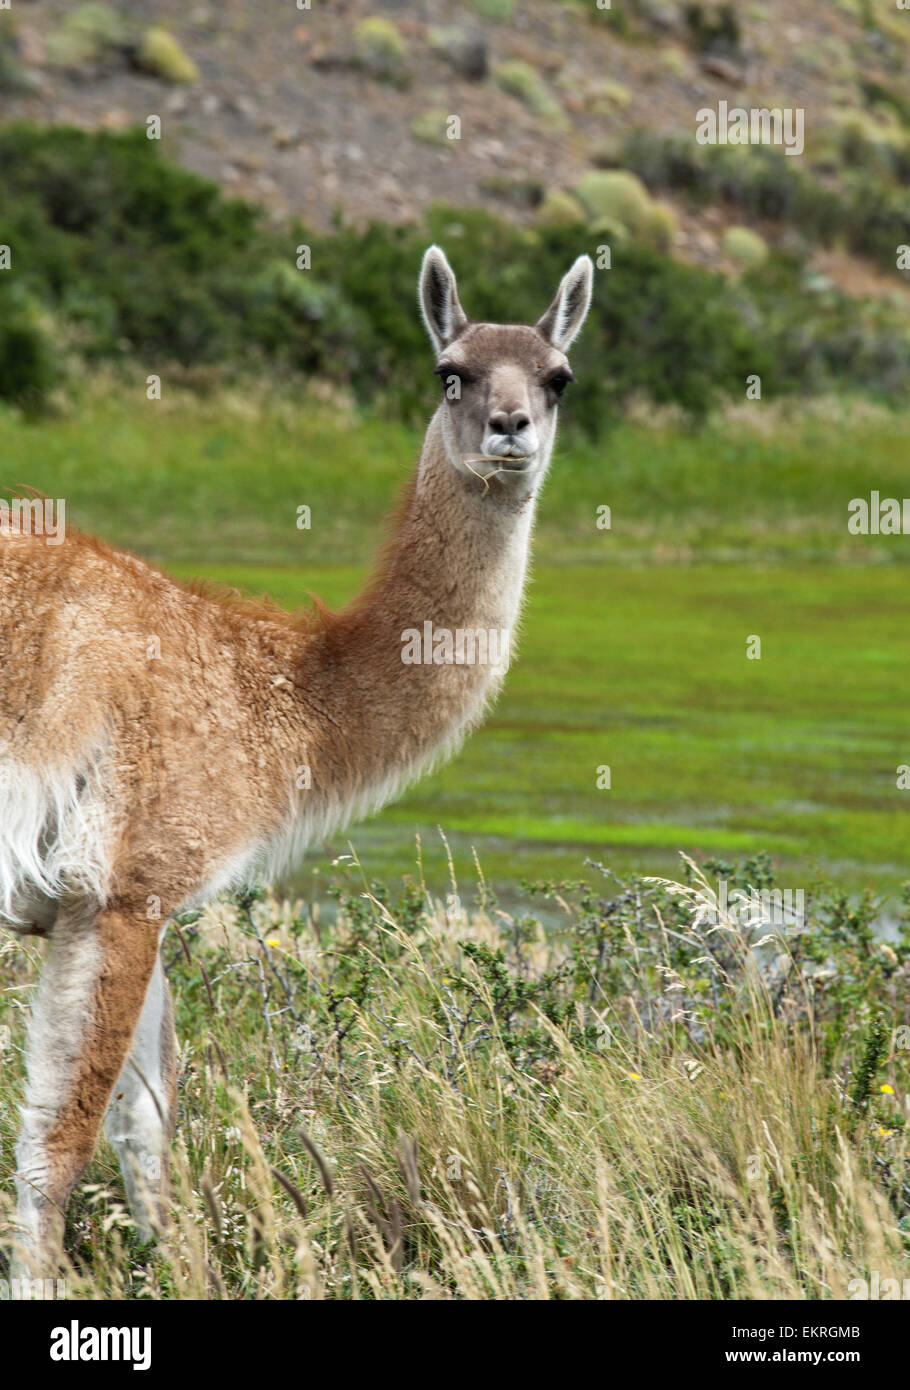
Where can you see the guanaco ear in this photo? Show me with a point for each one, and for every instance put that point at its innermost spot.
(561, 323)
(438, 299)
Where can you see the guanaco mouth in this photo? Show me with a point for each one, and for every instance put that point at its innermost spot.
(511, 463)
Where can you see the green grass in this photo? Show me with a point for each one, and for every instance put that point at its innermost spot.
(633, 651)
(219, 481)
(646, 671)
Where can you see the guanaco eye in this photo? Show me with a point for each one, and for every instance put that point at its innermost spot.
(559, 382)
(447, 370)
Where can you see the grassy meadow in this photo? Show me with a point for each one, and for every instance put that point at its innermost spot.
(205, 480)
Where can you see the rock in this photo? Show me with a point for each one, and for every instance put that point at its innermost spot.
(321, 56)
(522, 192)
(244, 106)
(725, 70)
(32, 48)
(660, 15)
(465, 49)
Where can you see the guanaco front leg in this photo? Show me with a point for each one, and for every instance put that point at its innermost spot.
(90, 998)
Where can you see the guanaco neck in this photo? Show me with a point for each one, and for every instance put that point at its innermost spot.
(458, 561)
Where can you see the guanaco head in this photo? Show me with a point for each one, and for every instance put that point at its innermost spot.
(501, 382)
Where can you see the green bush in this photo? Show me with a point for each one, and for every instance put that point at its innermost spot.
(618, 204)
(495, 9)
(13, 77)
(430, 127)
(522, 81)
(28, 367)
(131, 255)
(745, 248)
(870, 216)
(560, 207)
(712, 28)
(381, 50)
(88, 33)
(161, 54)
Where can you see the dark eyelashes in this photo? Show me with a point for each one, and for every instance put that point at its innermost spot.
(559, 382)
(446, 373)
(446, 370)
(556, 383)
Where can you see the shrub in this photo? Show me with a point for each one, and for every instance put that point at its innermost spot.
(160, 54)
(675, 63)
(14, 77)
(618, 203)
(129, 254)
(745, 248)
(605, 96)
(616, 194)
(877, 147)
(495, 9)
(870, 217)
(88, 34)
(561, 209)
(382, 51)
(430, 127)
(100, 23)
(521, 80)
(28, 366)
(712, 28)
(662, 228)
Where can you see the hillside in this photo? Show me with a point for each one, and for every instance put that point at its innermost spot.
(342, 108)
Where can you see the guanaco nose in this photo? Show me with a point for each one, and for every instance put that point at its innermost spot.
(504, 422)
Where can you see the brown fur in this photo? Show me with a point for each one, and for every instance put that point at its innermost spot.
(128, 956)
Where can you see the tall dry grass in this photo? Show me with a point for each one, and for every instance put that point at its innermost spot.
(360, 1123)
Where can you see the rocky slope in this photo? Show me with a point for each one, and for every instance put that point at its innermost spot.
(346, 106)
